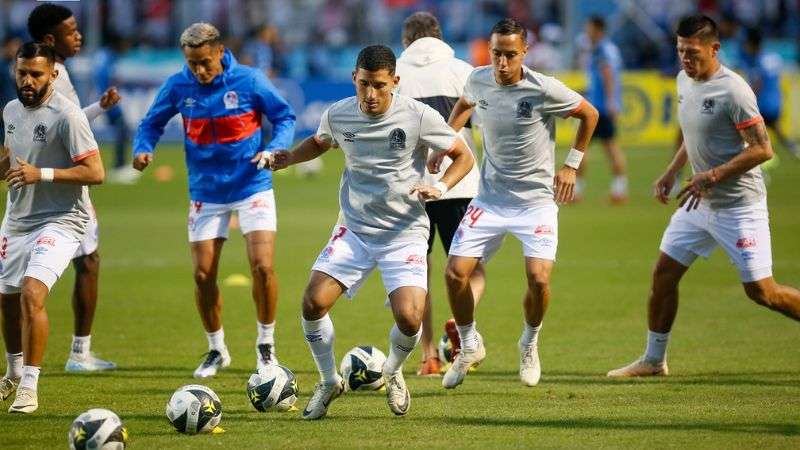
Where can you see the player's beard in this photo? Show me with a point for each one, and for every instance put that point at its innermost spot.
(35, 99)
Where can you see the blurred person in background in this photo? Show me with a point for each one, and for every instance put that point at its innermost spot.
(8, 88)
(260, 50)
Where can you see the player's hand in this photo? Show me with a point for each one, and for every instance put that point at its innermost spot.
(663, 186)
(110, 98)
(696, 188)
(280, 160)
(23, 174)
(142, 160)
(564, 184)
(425, 192)
(435, 161)
(262, 159)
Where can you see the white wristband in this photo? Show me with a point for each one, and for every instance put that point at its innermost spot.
(441, 187)
(47, 175)
(574, 158)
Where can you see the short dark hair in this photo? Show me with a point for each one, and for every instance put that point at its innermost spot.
(699, 26)
(44, 18)
(510, 26)
(420, 25)
(598, 21)
(376, 57)
(30, 50)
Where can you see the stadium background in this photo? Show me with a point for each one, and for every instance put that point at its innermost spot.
(735, 366)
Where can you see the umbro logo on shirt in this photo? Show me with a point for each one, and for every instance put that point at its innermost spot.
(189, 102)
(10, 128)
(483, 104)
(349, 136)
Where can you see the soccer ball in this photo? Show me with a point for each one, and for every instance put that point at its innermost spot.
(194, 409)
(273, 387)
(97, 428)
(362, 368)
(445, 348)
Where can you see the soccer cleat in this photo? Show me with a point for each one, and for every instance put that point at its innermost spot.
(26, 401)
(7, 387)
(397, 393)
(215, 359)
(530, 370)
(452, 335)
(324, 394)
(641, 368)
(430, 367)
(462, 364)
(87, 363)
(265, 355)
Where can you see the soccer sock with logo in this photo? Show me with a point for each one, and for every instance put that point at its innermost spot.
(320, 336)
(469, 337)
(266, 333)
(530, 335)
(216, 340)
(81, 345)
(400, 346)
(656, 347)
(30, 377)
(14, 367)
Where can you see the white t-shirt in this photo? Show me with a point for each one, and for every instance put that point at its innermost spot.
(519, 131)
(385, 158)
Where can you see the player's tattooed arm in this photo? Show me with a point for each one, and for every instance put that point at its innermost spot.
(758, 150)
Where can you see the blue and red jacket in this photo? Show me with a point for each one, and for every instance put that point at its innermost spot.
(222, 123)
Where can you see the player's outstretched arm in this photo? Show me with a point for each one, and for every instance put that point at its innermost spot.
(152, 126)
(564, 182)
(311, 147)
(463, 161)
(87, 171)
(460, 114)
(109, 98)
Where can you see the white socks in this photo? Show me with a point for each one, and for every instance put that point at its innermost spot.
(81, 345)
(656, 347)
(216, 340)
(619, 185)
(530, 335)
(469, 337)
(30, 377)
(266, 333)
(14, 365)
(320, 336)
(400, 346)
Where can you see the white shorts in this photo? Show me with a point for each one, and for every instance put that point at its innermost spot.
(91, 239)
(350, 260)
(742, 232)
(210, 220)
(42, 254)
(484, 226)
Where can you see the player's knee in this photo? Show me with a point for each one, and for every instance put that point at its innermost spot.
(88, 264)
(204, 278)
(456, 277)
(539, 281)
(664, 272)
(31, 301)
(263, 271)
(312, 309)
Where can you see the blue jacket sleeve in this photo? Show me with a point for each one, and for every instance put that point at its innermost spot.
(152, 126)
(277, 110)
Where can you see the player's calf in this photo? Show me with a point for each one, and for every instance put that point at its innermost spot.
(780, 298)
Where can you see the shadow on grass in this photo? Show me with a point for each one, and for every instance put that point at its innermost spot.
(782, 429)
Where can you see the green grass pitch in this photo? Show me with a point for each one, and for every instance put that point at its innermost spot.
(736, 366)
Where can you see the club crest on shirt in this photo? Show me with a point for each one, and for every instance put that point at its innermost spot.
(397, 139)
(524, 108)
(40, 133)
(708, 106)
(231, 100)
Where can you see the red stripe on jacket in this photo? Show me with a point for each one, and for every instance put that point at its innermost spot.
(222, 130)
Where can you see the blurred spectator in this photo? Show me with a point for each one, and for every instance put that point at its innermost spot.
(543, 49)
(260, 50)
(8, 85)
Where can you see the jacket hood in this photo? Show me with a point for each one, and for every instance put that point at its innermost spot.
(228, 64)
(425, 51)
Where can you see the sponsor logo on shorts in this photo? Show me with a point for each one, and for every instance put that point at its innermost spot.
(746, 242)
(543, 229)
(459, 234)
(258, 203)
(415, 259)
(192, 223)
(46, 240)
(326, 254)
(544, 242)
(197, 206)
(39, 250)
(748, 256)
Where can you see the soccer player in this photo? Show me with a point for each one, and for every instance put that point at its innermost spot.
(221, 103)
(432, 74)
(519, 188)
(605, 93)
(385, 139)
(49, 155)
(724, 202)
(763, 72)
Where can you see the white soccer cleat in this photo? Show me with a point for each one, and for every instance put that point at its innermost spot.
(641, 368)
(215, 360)
(265, 356)
(87, 363)
(324, 395)
(26, 402)
(7, 387)
(464, 361)
(397, 393)
(530, 370)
